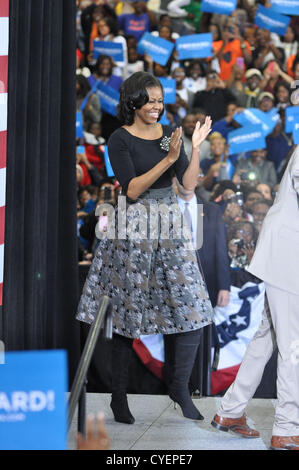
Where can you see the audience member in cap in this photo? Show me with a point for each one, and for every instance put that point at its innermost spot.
(246, 93)
(265, 101)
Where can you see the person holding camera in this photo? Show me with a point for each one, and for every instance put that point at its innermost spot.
(256, 169)
(153, 280)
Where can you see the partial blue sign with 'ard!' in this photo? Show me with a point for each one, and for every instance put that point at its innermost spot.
(194, 46)
(296, 133)
(108, 97)
(287, 7)
(223, 7)
(254, 116)
(113, 49)
(272, 20)
(169, 90)
(33, 406)
(158, 48)
(246, 139)
(79, 125)
(292, 118)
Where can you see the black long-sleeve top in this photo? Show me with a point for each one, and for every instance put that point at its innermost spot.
(132, 156)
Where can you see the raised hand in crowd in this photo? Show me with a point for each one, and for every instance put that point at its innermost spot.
(96, 436)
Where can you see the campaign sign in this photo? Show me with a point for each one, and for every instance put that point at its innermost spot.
(287, 7)
(109, 170)
(33, 406)
(292, 117)
(108, 97)
(169, 90)
(223, 7)
(194, 46)
(246, 139)
(113, 49)
(273, 115)
(269, 19)
(296, 133)
(254, 116)
(79, 125)
(158, 48)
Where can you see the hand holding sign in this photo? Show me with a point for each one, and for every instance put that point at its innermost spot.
(201, 132)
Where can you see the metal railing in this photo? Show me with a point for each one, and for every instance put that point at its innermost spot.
(103, 321)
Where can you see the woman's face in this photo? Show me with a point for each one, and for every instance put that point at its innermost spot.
(217, 146)
(263, 37)
(265, 190)
(165, 33)
(289, 35)
(282, 94)
(245, 233)
(105, 68)
(103, 28)
(150, 112)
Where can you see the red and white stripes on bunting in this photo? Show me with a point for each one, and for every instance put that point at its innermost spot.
(4, 26)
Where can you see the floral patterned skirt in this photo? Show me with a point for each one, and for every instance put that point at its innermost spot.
(153, 281)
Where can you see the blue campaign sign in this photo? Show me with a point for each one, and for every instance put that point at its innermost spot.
(79, 125)
(113, 49)
(246, 139)
(223, 7)
(287, 7)
(33, 407)
(169, 90)
(292, 118)
(109, 170)
(158, 48)
(254, 116)
(194, 46)
(296, 133)
(108, 97)
(271, 20)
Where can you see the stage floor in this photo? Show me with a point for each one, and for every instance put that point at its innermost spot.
(158, 426)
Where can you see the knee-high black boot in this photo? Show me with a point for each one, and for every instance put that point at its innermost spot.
(169, 352)
(186, 346)
(121, 355)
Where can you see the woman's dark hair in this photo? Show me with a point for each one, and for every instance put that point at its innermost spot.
(221, 187)
(234, 227)
(134, 95)
(196, 62)
(111, 23)
(100, 60)
(84, 86)
(284, 85)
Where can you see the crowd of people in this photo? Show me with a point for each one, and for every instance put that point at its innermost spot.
(250, 68)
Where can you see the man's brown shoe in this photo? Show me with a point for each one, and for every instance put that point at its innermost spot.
(237, 425)
(285, 443)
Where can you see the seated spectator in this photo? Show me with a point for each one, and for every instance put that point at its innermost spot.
(227, 124)
(214, 98)
(250, 196)
(215, 168)
(265, 101)
(289, 43)
(137, 23)
(195, 76)
(256, 168)
(273, 76)
(259, 212)
(279, 143)
(245, 93)
(134, 64)
(229, 49)
(265, 50)
(242, 237)
(188, 126)
(86, 173)
(265, 190)
(282, 95)
(103, 71)
(186, 94)
(94, 148)
(108, 31)
(89, 105)
(89, 18)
